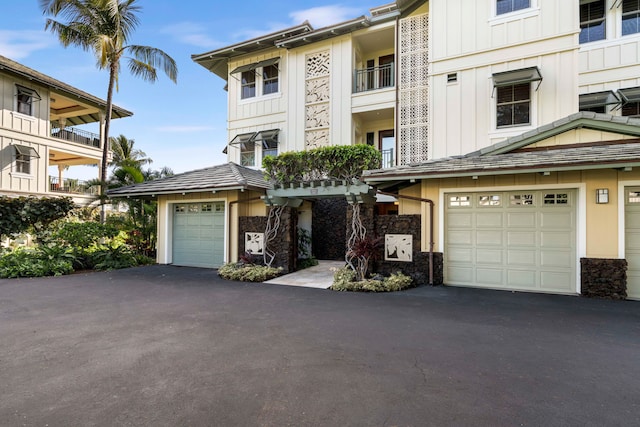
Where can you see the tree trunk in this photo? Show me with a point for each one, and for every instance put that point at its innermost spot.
(113, 69)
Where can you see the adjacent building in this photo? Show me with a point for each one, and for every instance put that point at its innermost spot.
(517, 119)
(41, 126)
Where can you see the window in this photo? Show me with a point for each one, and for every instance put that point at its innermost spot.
(630, 17)
(269, 140)
(513, 105)
(248, 154)
(490, 200)
(269, 79)
(556, 199)
(23, 158)
(631, 110)
(507, 6)
(592, 20)
(630, 101)
(521, 199)
(459, 201)
(598, 102)
(25, 99)
(248, 80)
(258, 78)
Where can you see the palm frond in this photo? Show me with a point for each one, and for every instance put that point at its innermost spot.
(155, 58)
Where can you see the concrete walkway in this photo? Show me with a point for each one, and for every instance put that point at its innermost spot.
(319, 276)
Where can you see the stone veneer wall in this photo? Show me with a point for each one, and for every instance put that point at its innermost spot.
(328, 235)
(285, 245)
(419, 268)
(603, 278)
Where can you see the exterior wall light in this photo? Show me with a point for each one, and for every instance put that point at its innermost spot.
(602, 195)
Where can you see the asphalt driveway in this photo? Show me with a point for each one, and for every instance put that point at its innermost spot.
(171, 346)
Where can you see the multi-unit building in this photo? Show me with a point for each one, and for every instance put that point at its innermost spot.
(42, 135)
(516, 119)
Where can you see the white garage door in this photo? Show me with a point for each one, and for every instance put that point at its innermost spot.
(522, 240)
(198, 234)
(632, 241)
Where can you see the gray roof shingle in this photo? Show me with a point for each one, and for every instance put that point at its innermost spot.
(228, 176)
(620, 154)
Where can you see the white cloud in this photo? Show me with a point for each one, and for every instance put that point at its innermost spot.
(19, 44)
(323, 16)
(191, 33)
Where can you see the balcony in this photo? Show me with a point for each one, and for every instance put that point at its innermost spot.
(72, 186)
(374, 78)
(388, 161)
(78, 136)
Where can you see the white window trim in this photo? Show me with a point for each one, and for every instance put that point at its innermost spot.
(495, 19)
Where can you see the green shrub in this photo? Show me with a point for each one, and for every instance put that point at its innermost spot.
(83, 234)
(35, 263)
(113, 258)
(248, 272)
(344, 279)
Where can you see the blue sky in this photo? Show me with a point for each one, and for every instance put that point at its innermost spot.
(182, 126)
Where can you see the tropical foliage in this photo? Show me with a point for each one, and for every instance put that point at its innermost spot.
(30, 214)
(341, 162)
(344, 279)
(105, 27)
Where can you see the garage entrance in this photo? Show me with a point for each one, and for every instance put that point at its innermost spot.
(520, 240)
(632, 241)
(198, 234)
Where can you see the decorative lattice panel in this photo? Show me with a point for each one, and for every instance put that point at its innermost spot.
(413, 152)
(317, 90)
(318, 64)
(317, 116)
(317, 96)
(414, 89)
(317, 138)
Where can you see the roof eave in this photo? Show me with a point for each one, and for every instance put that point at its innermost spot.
(212, 190)
(372, 180)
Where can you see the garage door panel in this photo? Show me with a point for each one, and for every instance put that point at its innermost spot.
(521, 238)
(460, 220)
(521, 257)
(521, 219)
(555, 259)
(460, 237)
(489, 219)
(489, 256)
(488, 276)
(460, 275)
(632, 241)
(489, 237)
(556, 281)
(198, 235)
(556, 239)
(560, 220)
(460, 255)
(525, 242)
(522, 279)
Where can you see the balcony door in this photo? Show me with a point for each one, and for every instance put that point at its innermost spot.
(387, 146)
(385, 71)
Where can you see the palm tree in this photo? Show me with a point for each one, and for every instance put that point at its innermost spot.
(124, 153)
(104, 27)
